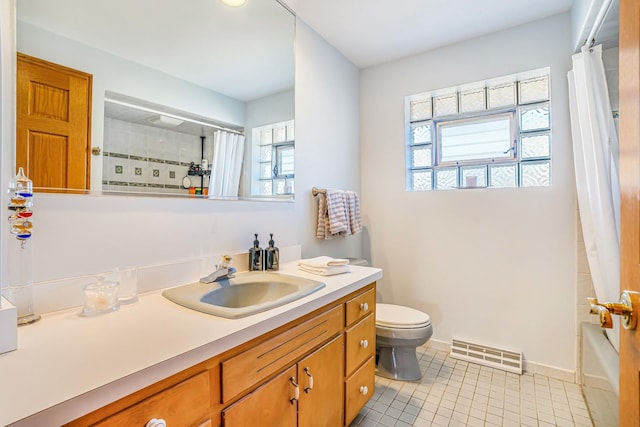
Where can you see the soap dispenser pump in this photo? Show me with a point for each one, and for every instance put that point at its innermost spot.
(272, 256)
(256, 256)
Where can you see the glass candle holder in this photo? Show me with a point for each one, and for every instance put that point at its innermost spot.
(100, 297)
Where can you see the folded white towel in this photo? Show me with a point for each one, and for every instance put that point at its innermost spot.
(323, 261)
(325, 271)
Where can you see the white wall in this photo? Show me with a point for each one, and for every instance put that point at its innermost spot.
(76, 235)
(494, 266)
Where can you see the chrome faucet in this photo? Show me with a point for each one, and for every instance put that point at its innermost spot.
(222, 271)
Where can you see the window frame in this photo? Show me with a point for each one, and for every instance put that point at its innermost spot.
(265, 136)
(485, 116)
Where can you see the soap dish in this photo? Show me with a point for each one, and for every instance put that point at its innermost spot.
(100, 297)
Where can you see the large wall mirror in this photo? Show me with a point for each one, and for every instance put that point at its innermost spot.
(188, 99)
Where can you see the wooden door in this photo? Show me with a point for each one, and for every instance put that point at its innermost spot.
(321, 379)
(630, 209)
(268, 406)
(53, 124)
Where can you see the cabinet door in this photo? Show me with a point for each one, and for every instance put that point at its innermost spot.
(271, 405)
(320, 376)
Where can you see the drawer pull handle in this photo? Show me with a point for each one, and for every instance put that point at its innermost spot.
(296, 390)
(156, 422)
(364, 343)
(364, 306)
(364, 389)
(310, 387)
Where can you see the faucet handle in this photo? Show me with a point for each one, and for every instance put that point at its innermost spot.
(225, 261)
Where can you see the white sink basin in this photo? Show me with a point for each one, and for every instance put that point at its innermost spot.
(243, 295)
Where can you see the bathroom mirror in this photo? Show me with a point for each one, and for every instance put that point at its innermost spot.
(202, 63)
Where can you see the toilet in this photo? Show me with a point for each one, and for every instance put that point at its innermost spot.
(399, 331)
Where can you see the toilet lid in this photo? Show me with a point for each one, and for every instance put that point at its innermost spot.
(397, 316)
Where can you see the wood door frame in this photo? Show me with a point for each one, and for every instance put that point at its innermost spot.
(629, 69)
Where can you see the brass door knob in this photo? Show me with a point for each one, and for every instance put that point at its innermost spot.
(95, 151)
(624, 308)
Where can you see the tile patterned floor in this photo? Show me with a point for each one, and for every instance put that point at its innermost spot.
(457, 393)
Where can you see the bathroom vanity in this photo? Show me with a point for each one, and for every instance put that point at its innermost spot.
(309, 363)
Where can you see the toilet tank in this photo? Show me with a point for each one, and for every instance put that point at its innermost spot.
(358, 261)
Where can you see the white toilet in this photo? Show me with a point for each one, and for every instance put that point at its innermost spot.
(399, 330)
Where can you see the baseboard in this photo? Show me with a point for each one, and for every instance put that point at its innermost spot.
(438, 345)
(529, 367)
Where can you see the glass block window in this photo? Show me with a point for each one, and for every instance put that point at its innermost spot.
(273, 166)
(491, 134)
(473, 100)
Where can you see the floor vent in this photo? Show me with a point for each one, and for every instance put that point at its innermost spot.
(506, 360)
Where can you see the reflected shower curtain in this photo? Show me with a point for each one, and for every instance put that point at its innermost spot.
(226, 166)
(595, 150)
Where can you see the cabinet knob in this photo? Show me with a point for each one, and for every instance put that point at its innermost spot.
(364, 343)
(364, 306)
(364, 389)
(156, 422)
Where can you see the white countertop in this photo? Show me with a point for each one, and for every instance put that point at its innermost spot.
(67, 365)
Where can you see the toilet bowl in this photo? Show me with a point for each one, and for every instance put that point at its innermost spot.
(399, 330)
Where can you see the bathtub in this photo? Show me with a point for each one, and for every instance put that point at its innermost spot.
(600, 375)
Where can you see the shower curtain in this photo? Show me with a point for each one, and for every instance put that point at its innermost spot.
(595, 149)
(226, 165)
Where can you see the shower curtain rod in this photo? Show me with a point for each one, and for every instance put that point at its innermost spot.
(602, 13)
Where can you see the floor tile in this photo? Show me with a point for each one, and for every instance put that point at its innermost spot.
(456, 393)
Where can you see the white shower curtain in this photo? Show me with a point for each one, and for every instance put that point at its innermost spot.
(226, 165)
(595, 148)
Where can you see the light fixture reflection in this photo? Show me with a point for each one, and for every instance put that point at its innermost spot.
(234, 3)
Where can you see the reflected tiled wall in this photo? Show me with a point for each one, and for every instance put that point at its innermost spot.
(145, 158)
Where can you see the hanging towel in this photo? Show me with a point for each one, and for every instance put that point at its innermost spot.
(338, 214)
(354, 212)
(322, 231)
(326, 271)
(323, 262)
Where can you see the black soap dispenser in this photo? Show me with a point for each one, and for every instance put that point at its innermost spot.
(272, 256)
(256, 256)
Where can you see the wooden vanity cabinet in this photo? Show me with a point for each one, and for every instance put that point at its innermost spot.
(316, 371)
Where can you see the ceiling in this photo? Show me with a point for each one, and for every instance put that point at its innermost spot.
(371, 32)
(183, 41)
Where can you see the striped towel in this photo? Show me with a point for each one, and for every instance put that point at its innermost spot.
(354, 212)
(338, 214)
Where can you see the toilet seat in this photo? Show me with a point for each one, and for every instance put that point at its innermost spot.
(400, 317)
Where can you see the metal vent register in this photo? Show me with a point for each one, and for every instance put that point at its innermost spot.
(506, 360)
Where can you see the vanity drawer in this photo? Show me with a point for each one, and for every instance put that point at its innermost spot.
(268, 357)
(361, 343)
(360, 306)
(185, 404)
(359, 389)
